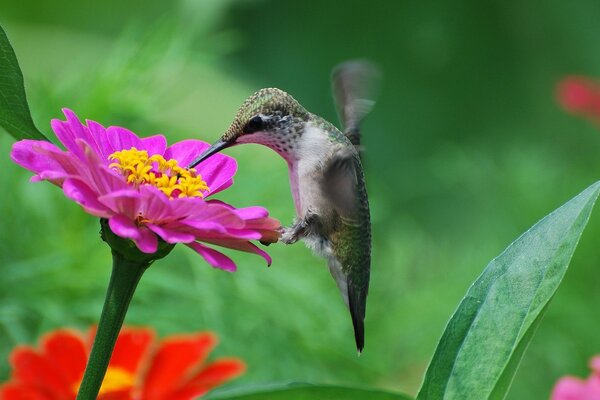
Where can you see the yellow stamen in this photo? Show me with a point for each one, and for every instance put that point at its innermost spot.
(116, 379)
(166, 175)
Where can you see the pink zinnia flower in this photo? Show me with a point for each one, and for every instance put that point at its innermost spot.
(580, 95)
(572, 388)
(142, 188)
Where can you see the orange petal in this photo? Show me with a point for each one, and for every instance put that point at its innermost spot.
(174, 360)
(89, 337)
(34, 370)
(208, 378)
(65, 351)
(185, 394)
(120, 395)
(17, 391)
(132, 348)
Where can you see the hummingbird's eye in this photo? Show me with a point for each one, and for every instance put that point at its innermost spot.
(254, 125)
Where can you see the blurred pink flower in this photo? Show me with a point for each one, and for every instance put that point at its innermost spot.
(142, 188)
(572, 388)
(580, 95)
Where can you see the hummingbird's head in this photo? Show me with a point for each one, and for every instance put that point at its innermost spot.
(270, 117)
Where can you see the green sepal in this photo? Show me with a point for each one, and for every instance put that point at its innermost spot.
(127, 248)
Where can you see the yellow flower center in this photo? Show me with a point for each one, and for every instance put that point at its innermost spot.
(170, 178)
(115, 379)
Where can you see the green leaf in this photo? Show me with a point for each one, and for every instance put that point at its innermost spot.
(483, 343)
(313, 392)
(15, 117)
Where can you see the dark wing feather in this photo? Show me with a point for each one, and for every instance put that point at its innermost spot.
(340, 184)
(354, 89)
(343, 185)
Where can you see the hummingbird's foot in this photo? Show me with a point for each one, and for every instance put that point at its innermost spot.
(290, 235)
(300, 229)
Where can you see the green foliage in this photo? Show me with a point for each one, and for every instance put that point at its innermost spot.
(484, 341)
(313, 392)
(14, 110)
(464, 150)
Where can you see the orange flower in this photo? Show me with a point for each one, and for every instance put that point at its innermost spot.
(140, 368)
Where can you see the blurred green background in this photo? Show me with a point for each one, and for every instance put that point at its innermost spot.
(465, 150)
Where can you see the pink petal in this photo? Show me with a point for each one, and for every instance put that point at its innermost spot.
(568, 388)
(44, 158)
(55, 177)
(218, 177)
(80, 131)
(252, 212)
(217, 171)
(269, 236)
(105, 180)
(98, 175)
(186, 151)
(125, 202)
(263, 223)
(579, 94)
(23, 153)
(148, 242)
(144, 239)
(124, 227)
(241, 246)
(122, 139)
(99, 133)
(66, 136)
(593, 383)
(220, 202)
(200, 215)
(206, 230)
(595, 365)
(200, 227)
(156, 144)
(156, 206)
(255, 217)
(246, 234)
(171, 235)
(267, 227)
(213, 257)
(81, 193)
(221, 215)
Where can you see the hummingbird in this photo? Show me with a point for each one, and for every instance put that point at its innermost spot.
(326, 175)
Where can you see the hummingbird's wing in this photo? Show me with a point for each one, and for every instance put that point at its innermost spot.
(350, 265)
(340, 182)
(354, 88)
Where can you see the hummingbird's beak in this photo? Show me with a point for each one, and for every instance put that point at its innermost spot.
(215, 148)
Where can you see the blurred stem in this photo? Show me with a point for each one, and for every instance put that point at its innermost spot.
(124, 279)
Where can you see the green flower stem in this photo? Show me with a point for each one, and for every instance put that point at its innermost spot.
(124, 279)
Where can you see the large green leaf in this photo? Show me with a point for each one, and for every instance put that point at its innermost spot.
(484, 341)
(313, 392)
(15, 117)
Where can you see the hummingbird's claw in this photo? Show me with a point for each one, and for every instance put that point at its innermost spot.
(300, 229)
(289, 235)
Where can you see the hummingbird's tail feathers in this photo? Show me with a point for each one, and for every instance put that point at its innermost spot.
(356, 304)
(355, 86)
(341, 280)
(355, 299)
